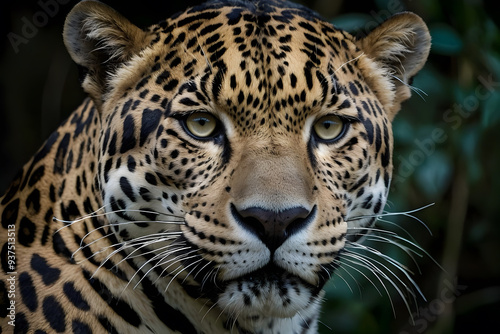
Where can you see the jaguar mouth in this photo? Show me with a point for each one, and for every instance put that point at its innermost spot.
(267, 292)
(270, 273)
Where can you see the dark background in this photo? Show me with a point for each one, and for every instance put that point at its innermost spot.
(447, 151)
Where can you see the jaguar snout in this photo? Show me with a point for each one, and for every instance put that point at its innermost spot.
(272, 227)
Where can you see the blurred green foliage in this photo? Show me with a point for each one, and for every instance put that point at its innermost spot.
(446, 152)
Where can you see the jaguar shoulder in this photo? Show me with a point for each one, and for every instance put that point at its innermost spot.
(225, 161)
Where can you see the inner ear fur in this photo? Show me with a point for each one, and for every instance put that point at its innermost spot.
(397, 49)
(99, 39)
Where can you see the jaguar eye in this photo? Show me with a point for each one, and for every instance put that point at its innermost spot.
(201, 124)
(329, 127)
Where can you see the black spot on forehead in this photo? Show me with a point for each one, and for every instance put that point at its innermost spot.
(264, 62)
(259, 8)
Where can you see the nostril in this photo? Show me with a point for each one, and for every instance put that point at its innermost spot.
(273, 227)
(254, 225)
(296, 225)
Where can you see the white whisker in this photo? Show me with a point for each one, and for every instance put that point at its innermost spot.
(355, 259)
(208, 311)
(147, 243)
(68, 223)
(349, 61)
(80, 248)
(402, 268)
(404, 213)
(417, 90)
(183, 268)
(82, 218)
(361, 273)
(381, 221)
(164, 255)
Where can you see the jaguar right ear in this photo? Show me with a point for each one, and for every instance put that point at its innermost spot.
(399, 48)
(100, 39)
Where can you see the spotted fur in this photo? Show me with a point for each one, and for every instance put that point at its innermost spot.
(129, 221)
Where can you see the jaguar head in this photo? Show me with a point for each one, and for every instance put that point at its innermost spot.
(242, 143)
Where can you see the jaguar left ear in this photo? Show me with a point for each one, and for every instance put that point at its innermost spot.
(100, 39)
(399, 47)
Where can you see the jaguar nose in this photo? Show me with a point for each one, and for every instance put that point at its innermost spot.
(273, 227)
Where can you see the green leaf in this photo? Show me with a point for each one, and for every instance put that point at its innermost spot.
(445, 40)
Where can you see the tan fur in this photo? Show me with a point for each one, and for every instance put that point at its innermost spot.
(97, 38)
(399, 47)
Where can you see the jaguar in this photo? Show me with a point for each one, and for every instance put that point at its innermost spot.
(222, 166)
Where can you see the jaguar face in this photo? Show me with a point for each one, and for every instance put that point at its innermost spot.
(243, 143)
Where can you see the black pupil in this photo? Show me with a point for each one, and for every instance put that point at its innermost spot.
(202, 121)
(327, 124)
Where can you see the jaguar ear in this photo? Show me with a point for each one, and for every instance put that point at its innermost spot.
(399, 48)
(99, 39)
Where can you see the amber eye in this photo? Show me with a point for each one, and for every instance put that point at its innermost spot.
(329, 127)
(201, 124)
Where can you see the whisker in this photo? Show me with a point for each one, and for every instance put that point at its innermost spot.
(362, 262)
(163, 255)
(95, 214)
(202, 268)
(381, 221)
(373, 236)
(133, 241)
(80, 248)
(208, 276)
(184, 268)
(411, 243)
(347, 283)
(147, 243)
(404, 213)
(82, 218)
(408, 251)
(385, 236)
(191, 271)
(208, 311)
(349, 61)
(380, 268)
(116, 251)
(235, 317)
(369, 229)
(337, 274)
(326, 270)
(395, 263)
(304, 321)
(176, 260)
(416, 90)
(369, 261)
(361, 273)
